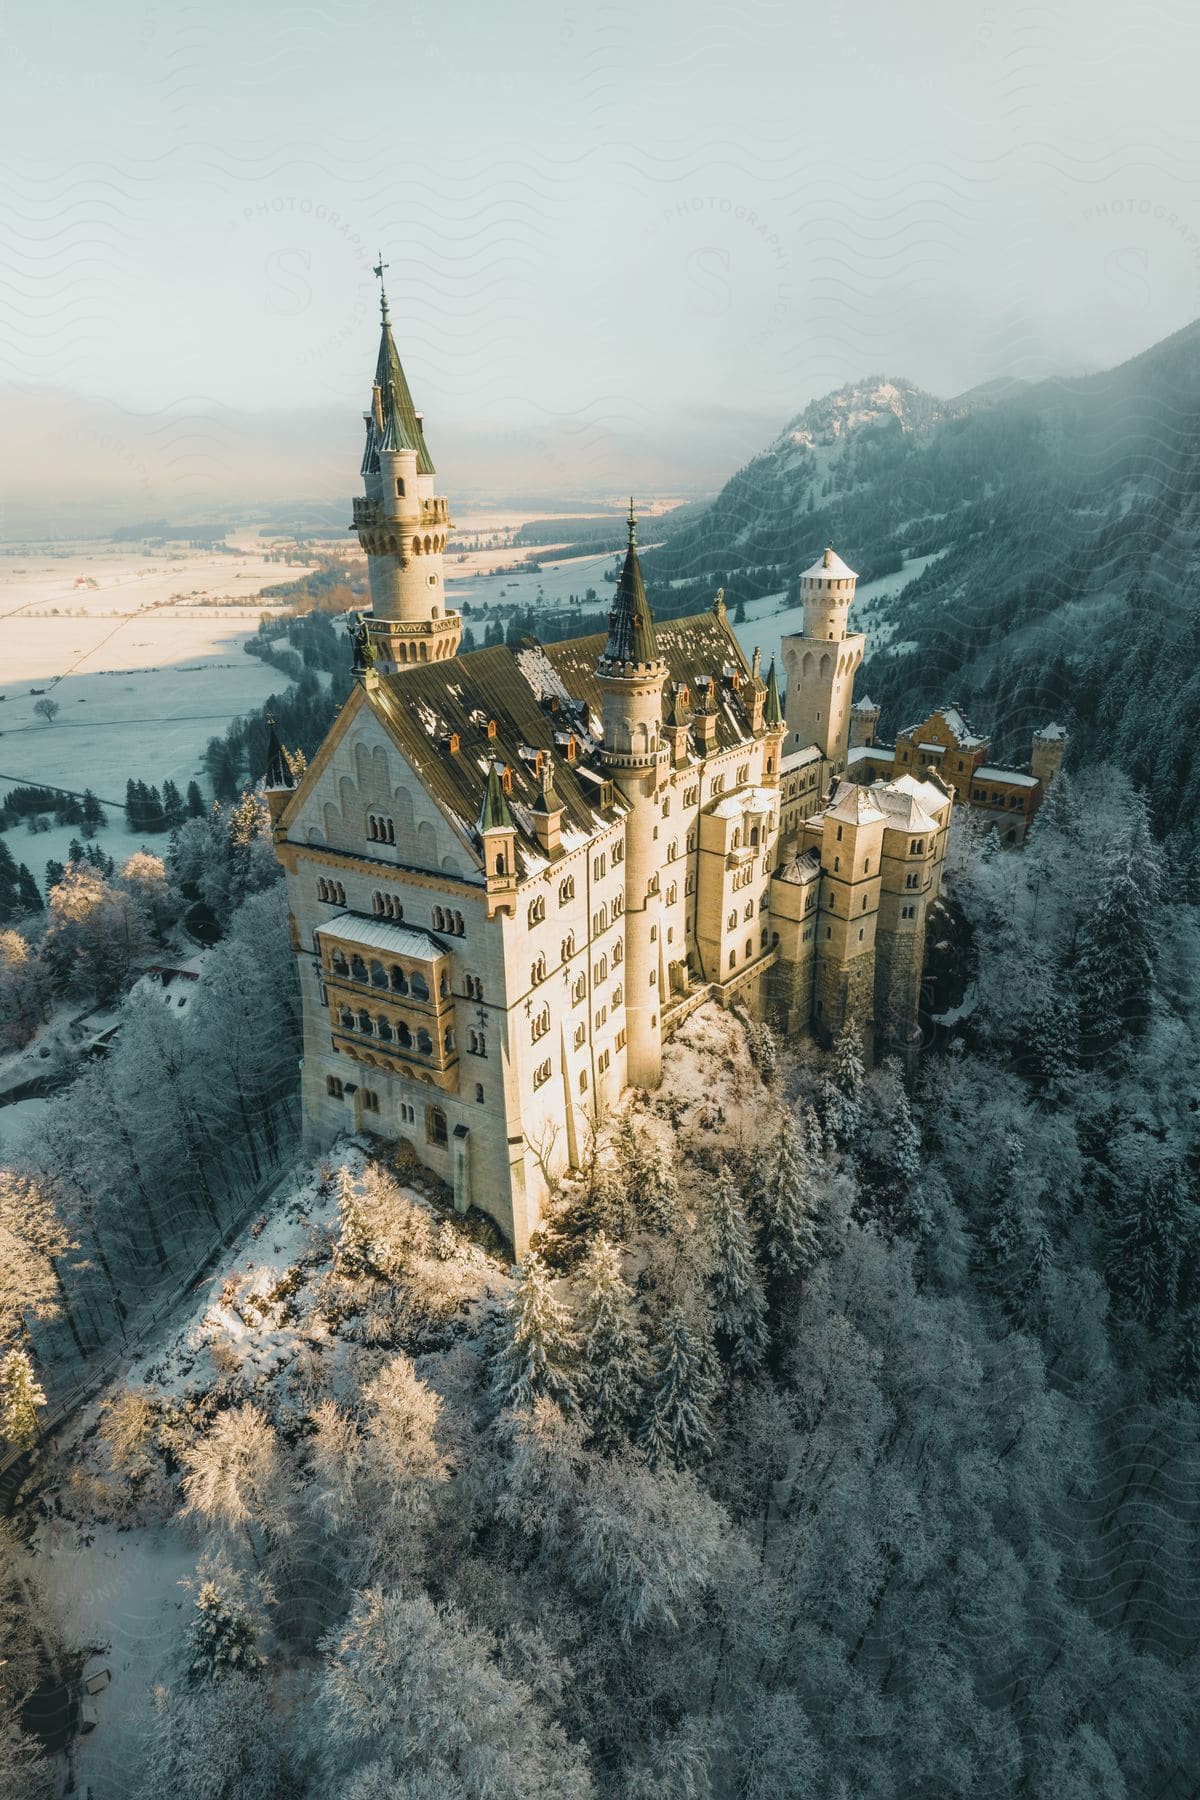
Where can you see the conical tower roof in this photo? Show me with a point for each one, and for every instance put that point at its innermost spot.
(496, 814)
(631, 636)
(278, 775)
(772, 711)
(402, 428)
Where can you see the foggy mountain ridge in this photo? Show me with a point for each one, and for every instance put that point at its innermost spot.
(1063, 518)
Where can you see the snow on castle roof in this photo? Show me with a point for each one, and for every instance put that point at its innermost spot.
(380, 934)
(854, 804)
(829, 567)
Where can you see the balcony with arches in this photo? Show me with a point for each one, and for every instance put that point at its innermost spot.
(389, 994)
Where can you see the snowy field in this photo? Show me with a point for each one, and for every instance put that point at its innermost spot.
(145, 668)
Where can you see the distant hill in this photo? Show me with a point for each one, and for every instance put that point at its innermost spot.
(1064, 518)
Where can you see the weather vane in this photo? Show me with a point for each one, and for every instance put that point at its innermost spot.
(380, 266)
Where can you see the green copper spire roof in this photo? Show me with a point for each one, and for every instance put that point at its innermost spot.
(773, 712)
(631, 636)
(495, 814)
(402, 429)
(278, 774)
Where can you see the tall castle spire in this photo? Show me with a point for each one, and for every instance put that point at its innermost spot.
(631, 639)
(632, 675)
(401, 523)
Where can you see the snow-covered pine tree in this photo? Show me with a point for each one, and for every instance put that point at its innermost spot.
(355, 1246)
(1152, 1231)
(223, 1637)
(889, 1158)
(21, 1395)
(536, 1350)
(1114, 966)
(841, 1091)
(739, 1302)
(1051, 1035)
(787, 1204)
(679, 1392)
(612, 1373)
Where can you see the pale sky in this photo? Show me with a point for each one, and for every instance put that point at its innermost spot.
(626, 243)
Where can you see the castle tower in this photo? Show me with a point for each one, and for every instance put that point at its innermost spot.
(851, 856)
(632, 674)
(1049, 748)
(279, 783)
(776, 730)
(820, 663)
(401, 523)
(864, 723)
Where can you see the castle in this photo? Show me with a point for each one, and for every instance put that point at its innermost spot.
(513, 873)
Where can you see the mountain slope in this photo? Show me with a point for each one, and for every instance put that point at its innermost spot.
(1065, 518)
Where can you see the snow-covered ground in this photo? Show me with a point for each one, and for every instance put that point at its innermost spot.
(142, 680)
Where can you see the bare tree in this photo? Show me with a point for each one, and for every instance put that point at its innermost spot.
(47, 709)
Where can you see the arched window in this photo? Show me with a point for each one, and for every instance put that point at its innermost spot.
(364, 1022)
(358, 968)
(424, 1043)
(731, 922)
(420, 987)
(378, 978)
(600, 921)
(500, 862)
(385, 1031)
(568, 946)
(538, 971)
(340, 965)
(537, 910)
(754, 837)
(618, 954)
(448, 1040)
(566, 890)
(403, 1036)
(737, 839)
(346, 1019)
(399, 984)
(672, 894)
(479, 1093)
(733, 959)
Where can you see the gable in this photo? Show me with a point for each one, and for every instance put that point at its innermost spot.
(367, 774)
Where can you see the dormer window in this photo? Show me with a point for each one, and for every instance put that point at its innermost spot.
(491, 728)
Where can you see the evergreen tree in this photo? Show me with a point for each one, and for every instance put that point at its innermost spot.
(739, 1302)
(355, 1241)
(613, 1359)
(1114, 966)
(173, 809)
(1153, 1231)
(842, 1088)
(28, 897)
(675, 1427)
(54, 874)
(20, 1397)
(889, 1159)
(223, 1637)
(93, 814)
(1052, 1036)
(536, 1348)
(195, 801)
(787, 1205)
(133, 808)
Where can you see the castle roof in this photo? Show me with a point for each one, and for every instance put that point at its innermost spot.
(902, 807)
(854, 804)
(381, 934)
(402, 427)
(495, 813)
(631, 636)
(1051, 733)
(804, 867)
(278, 773)
(865, 705)
(502, 701)
(772, 712)
(829, 567)
(929, 795)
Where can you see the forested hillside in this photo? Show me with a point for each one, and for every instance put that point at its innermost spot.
(831, 1442)
(1066, 521)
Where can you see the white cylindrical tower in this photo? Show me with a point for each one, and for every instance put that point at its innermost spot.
(821, 662)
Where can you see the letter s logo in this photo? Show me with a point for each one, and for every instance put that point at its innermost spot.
(288, 290)
(709, 270)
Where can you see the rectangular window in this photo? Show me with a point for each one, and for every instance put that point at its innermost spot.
(621, 1039)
